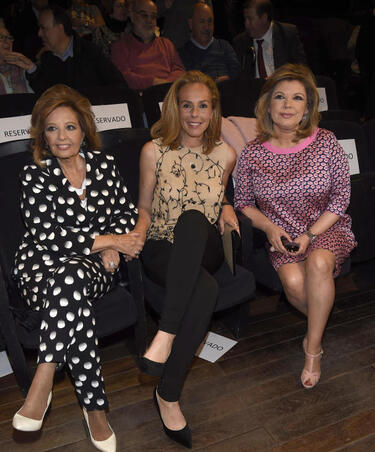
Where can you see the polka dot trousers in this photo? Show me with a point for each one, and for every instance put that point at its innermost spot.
(68, 325)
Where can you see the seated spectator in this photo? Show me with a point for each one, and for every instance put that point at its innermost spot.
(67, 58)
(116, 23)
(12, 78)
(176, 14)
(275, 44)
(143, 58)
(214, 57)
(118, 16)
(86, 17)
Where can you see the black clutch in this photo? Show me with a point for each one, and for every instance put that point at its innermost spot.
(231, 242)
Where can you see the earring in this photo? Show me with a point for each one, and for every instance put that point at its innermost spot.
(304, 116)
(83, 143)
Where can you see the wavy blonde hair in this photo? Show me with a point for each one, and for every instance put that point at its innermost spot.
(168, 128)
(289, 72)
(55, 97)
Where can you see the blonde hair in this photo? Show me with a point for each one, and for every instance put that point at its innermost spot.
(168, 128)
(55, 97)
(309, 121)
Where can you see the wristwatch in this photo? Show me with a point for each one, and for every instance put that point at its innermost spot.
(311, 236)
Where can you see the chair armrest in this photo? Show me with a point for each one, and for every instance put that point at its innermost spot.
(136, 289)
(9, 332)
(231, 243)
(246, 249)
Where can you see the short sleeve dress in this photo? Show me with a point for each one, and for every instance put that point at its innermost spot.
(293, 187)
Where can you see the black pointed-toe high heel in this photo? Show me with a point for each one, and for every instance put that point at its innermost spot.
(150, 367)
(182, 436)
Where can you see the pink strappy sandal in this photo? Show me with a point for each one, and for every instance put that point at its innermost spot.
(308, 374)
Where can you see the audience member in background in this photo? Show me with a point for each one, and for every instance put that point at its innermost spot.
(182, 211)
(176, 14)
(85, 17)
(266, 44)
(24, 27)
(117, 18)
(67, 59)
(116, 23)
(214, 57)
(293, 182)
(12, 77)
(70, 252)
(143, 58)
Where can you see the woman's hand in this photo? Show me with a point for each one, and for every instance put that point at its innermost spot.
(274, 234)
(130, 244)
(110, 259)
(229, 217)
(18, 60)
(303, 242)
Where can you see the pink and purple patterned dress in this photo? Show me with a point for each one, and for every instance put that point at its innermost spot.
(294, 186)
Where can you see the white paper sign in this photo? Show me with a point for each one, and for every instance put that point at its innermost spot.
(5, 367)
(15, 128)
(350, 150)
(160, 105)
(214, 346)
(112, 116)
(323, 104)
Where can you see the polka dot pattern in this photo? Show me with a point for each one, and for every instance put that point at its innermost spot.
(55, 270)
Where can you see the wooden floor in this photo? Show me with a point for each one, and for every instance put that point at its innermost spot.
(249, 400)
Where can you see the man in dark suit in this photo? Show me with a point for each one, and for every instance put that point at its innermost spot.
(266, 44)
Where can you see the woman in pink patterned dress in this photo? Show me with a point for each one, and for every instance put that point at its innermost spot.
(293, 182)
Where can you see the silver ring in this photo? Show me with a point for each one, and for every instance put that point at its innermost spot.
(272, 249)
(137, 253)
(235, 223)
(111, 264)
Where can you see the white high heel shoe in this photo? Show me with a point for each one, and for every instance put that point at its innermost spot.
(26, 424)
(107, 445)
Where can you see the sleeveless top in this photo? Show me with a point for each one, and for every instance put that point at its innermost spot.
(186, 179)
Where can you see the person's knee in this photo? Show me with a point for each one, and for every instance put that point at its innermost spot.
(191, 218)
(321, 263)
(293, 284)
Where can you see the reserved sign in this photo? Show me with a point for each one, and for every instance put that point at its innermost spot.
(214, 346)
(350, 150)
(323, 104)
(107, 117)
(112, 116)
(15, 128)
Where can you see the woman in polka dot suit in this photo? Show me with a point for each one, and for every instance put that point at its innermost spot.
(79, 219)
(293, 182)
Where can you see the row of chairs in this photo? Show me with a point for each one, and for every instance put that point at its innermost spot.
(238, 98)
(124, 305)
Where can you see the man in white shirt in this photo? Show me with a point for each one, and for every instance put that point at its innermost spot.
(266, 44)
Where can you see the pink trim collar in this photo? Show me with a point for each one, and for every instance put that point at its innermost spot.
(298, 147)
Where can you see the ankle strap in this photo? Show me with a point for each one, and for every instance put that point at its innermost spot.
(310, 355)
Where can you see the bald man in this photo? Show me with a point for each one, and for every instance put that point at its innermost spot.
(214, 57)
(143, 58)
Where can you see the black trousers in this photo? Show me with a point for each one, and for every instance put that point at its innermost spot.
(185, 269)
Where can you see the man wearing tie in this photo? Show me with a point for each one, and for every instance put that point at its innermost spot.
(266, 44)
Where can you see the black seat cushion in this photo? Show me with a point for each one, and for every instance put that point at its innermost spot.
(234, 290)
